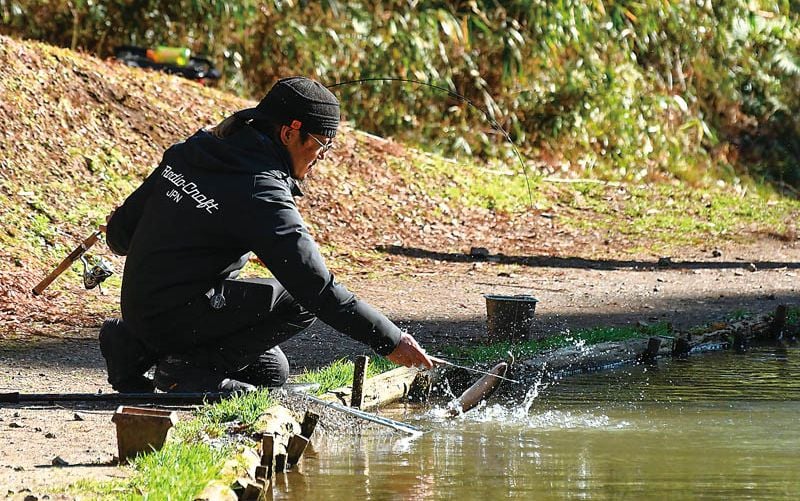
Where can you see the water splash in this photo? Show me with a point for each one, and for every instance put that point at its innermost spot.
(518, 413)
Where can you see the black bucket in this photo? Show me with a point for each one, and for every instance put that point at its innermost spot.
(509, 318)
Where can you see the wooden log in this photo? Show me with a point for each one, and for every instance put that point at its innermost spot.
(749, 328)
(380, 390)
(359, 379)
(297, 445)
(309, 424)
(568, 360)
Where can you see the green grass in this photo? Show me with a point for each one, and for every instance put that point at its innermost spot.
(679, 215)
(177, 471)
(500, 186)
(211, 419)
(499, 351)
(340, 373)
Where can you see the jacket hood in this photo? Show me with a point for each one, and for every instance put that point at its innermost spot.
(246, 151)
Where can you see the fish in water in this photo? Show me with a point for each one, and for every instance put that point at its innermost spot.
(481, 390)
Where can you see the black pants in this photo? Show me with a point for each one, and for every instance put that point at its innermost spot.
(258, 315)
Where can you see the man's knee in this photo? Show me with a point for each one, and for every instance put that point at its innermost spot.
(271, 369)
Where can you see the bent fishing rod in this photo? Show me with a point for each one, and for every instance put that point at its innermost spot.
(495, 125)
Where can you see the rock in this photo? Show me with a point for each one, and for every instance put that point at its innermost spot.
(665, 261)
(77, 417)
(217, 491)
(716, 253)
(277, 420)
(57, 461)
(15, 424)
(49, 434)
(752, 267)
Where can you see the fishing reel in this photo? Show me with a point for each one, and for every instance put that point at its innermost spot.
(96, 273)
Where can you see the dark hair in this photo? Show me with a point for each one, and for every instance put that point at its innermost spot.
(233, 123)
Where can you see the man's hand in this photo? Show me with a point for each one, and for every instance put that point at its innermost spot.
(410, 353)
(108, 218)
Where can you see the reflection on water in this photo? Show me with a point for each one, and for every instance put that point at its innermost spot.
(719, 426)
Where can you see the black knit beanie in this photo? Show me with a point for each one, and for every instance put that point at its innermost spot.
(300, 103)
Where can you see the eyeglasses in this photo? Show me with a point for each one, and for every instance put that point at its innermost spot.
(325, 146)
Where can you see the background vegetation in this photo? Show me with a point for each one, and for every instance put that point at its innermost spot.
(624, 90)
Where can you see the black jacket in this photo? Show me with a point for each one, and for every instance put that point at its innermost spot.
(196, 218)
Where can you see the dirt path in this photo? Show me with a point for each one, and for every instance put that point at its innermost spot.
(439, 300)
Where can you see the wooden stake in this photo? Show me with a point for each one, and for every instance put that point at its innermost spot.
(359, 378)
(280, 463)
(309, 424)
(778, 322)
(295, 449)
(650, 354)
(740, 342)
(267, 452)
(253, 491)
(681, 347)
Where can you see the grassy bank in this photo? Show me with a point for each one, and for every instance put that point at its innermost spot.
(195, 454)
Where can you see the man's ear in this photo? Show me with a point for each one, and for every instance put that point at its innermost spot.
(285, 134)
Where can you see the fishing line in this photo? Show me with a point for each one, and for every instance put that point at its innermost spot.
(495, 125)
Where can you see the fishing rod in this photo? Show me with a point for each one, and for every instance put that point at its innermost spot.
(442, 361)
(93, 276)
(153, 398)
(495, 125)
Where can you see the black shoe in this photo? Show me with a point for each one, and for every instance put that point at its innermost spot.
(127, 359)
(195, 373)
(234, 386)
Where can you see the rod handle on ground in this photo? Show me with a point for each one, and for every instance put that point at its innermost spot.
(67, 261)
(9, 398)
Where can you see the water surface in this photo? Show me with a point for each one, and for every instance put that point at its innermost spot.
(716, 426)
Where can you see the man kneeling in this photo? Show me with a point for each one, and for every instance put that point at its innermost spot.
(190, 228)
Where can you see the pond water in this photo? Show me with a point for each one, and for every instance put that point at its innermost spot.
(715, 426)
